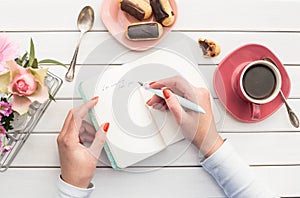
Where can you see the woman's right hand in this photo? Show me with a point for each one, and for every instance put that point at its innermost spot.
(196, 127)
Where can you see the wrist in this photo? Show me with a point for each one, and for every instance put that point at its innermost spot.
(218, 143)
(208, 142)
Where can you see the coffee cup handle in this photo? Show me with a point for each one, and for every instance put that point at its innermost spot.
(255, 111)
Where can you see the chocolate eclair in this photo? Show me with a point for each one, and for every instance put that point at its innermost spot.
(144, 31)
(163, 12)
(209, 48)
(139, 9)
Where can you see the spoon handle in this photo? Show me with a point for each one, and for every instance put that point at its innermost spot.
(70, 73)
(292, 116)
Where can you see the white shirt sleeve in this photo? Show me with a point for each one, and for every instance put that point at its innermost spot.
(66, 190)
(234, 175)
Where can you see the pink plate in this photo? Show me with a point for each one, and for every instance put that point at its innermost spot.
(233, 64)
(116, 21)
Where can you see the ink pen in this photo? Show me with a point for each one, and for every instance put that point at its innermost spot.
(182, 101)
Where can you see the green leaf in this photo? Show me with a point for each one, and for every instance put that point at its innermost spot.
(32, 53)
(24, 57)
(26, 64)
(51, 97)
(50, 61)
(35, 64)
(18, 61)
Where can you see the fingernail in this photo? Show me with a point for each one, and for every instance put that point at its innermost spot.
(152, 83)
(95, 98)
(166, 93)
(105, 127)
(148, 101)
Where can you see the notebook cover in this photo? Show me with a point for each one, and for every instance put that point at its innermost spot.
(95, 123)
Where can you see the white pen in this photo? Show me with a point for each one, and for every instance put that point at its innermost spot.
(182, 101)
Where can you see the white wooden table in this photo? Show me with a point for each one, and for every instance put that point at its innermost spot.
(271, 147)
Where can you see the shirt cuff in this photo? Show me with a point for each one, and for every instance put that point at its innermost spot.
(68, 190)
(219, 156)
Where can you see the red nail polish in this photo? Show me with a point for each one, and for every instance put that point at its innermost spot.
(105, 127)
(152, 83)
(95, 98)
(166, 93)
(148, 101)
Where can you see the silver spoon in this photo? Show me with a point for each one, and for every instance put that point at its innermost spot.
(85, 23)
(292, 116)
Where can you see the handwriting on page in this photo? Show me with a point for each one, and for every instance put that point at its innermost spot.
(120, 84)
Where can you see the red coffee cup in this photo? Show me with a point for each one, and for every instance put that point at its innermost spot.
(258, 83)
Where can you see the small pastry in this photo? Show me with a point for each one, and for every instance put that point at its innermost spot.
(209, 48)
(139, 9)
(144, 31)
(163, 12)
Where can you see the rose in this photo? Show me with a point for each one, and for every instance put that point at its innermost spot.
(26, 85)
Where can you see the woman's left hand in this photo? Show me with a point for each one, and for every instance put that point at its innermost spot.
(78, 162)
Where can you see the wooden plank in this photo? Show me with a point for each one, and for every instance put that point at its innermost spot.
(183, 182)
(54, 116)
(52, 15)
(61, 45)
(69, 90)
(192, 15)
(255, 148)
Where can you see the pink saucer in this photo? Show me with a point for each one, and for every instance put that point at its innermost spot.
(224, 85)
(116, 21)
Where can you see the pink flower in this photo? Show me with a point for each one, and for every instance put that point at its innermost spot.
(26, 85)
(6, 148)
(2, 132)
(8, 51)
(23, 84)
(5, 109)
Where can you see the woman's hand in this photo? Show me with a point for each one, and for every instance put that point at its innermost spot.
(198, 128)
(78, 162)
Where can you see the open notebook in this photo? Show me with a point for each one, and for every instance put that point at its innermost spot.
(136, 131)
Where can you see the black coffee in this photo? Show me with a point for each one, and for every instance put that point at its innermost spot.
(259, 82)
